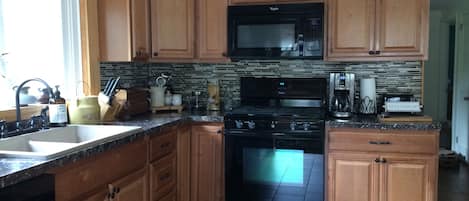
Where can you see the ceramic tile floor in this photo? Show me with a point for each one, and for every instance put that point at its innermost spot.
(453, 184)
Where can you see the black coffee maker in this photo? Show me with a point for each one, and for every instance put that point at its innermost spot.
(341, 94)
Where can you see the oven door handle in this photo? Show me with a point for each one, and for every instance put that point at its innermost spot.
(278, 134)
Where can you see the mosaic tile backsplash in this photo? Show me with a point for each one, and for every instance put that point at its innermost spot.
(391, 77)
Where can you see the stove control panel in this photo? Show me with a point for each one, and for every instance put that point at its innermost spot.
(251, 125)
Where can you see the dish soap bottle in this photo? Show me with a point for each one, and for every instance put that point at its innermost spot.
(58, 110)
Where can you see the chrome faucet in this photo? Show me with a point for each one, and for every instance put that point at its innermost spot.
(18, 111)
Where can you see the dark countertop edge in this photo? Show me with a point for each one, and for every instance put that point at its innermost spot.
(151, 127)
(386, 126)
(42, 167)
(466, 98)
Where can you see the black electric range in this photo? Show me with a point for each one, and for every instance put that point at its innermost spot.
(274, 142)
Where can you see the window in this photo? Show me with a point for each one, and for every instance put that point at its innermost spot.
(39, 39)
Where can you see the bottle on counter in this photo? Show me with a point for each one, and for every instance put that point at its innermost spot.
(58, 110)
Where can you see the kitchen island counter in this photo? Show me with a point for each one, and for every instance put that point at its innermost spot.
(15, 170)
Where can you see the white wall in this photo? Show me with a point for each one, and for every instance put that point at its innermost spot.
(436, 68)
(461, 87)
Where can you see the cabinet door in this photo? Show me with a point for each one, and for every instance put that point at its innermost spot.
(98, 196)
(352, 177)
(115, 41)
(212, 25)
(403, 27)
(140, 29)
(133, 187)
(172, 29)
(123, 29)
(163, 176)
(207, 163)
(184, 164)
(351, 28)
(408, 178)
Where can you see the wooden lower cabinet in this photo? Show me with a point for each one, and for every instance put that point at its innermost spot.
(382, 174)
(207, 169)
(163, 174)
(408, 178)
(133, 187)
(184, 164)
(353, 177)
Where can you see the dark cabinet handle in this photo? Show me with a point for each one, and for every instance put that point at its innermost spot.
(379, 142)
(371, 52)
(165, 145)
(219, 132)
(155, 54)
(224, 54)
(165, 176)
(378, 52)
(382, 160)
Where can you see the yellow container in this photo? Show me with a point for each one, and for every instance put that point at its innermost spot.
(85, 110)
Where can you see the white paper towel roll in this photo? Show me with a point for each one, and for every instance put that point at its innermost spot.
(368, 88)
(368, 96)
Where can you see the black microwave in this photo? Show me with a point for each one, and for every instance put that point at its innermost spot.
(284, 31)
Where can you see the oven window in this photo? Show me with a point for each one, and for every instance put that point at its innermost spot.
(273, 166)
(266, 36)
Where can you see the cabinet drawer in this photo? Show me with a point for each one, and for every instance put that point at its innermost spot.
(82, 177)
(163, 144)
(163, 176)
(405, 142)
(170, 197)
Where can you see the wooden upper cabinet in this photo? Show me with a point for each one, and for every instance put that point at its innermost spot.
(403, 27)
(250, 1)
(408, 178)
(353, 177)
(172, 29)
(374, 30)
(351, 27)
(212, 29)
(123, 29)
(235, 2)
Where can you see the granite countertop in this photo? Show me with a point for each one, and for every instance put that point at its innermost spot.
(15, 170)
(366, 121)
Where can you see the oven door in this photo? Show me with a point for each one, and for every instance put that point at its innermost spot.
(273, 168)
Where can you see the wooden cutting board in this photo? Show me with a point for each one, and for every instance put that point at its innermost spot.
(420, 119)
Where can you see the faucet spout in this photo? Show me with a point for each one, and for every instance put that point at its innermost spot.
(18, 111)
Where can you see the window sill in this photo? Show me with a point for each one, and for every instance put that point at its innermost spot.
(27, 112)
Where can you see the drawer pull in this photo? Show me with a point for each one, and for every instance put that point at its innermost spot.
(382, 160)
(165, 145)
(379, 142)
(165, 176)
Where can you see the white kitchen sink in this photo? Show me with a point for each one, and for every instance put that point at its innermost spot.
(60, 141)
